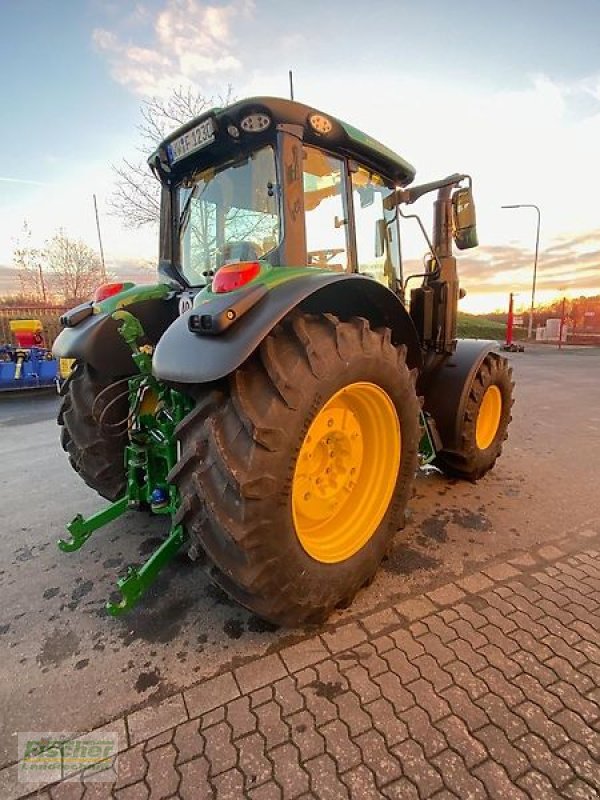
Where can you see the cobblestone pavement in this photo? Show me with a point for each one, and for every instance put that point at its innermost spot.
(487, 687)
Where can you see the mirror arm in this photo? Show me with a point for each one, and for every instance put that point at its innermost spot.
(413, 193)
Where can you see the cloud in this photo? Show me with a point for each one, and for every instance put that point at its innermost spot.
(192, 42)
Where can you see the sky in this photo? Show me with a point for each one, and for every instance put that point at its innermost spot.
(507, 92)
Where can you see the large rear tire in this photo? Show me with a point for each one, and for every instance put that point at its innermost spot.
(95, 454)
(485, 421)
(294, 478)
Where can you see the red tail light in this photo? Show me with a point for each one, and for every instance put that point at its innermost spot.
(232, 276)
(108, 289)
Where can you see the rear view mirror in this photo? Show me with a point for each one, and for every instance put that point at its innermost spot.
(464, 225)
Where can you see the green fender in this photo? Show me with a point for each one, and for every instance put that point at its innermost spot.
(216, 350)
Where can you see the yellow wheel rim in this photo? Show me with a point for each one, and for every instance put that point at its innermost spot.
(488, 419)
(346, 472)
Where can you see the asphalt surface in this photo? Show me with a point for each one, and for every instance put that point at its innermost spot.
(67, 666)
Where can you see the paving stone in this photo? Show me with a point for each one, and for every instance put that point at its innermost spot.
(543, 759)
(307, 739)
(352, 714)
(579, 790)
(525, 641)
(304, 654)
(500, 572)
(139, 791)
(422, 731)
(446, 595)
(268, 791)
(406, 642)
(288, 772)
(261, 672)
(362, 685)
(154, 719)
(550, 552)
(361, 784)
(497, 782)
(325, 783)
(401, 666)
(383, 643)
(340, 746)
(211, 694)
(261, 696)
(417, 769)
(212, 717)
(464, 708)
(430, 670)
(459, 738)
(502, 751)
(286, 694)
(229, 784)
(457, 778)
(160, 740)
(466, 631)
(132, 767)
(465, 611)
(368, 658)
(533, 667)
(426, 696)
(494, 656)
(566, 672)
(415, 608)
(465, 652)
(464, 677)
(271, 725)
(534, 690)
(66, 790)
(501, 716)
(221, 754)
(499, 620)
(386, 721)
(380, 621)
(537, 785)
(478, 582)
(436, 648)
(499, 639)
(344, 637)
(497, 684)
(393, 690)
(162, 777)
(573, 700)
(401, 789)
(440, 627)
(253, 761)
(580, 732)
(580, 761)
(318, 703)
(539, 723)
(378, 758)
(240, 718)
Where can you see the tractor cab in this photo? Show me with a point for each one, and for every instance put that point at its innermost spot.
(275, 181)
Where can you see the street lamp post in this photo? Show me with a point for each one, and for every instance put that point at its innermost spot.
(537, 246)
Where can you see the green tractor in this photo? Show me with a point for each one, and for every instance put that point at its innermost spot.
(274, 393)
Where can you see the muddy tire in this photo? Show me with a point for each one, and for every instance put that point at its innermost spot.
(485, 421)
(94, 454)
(276, 539)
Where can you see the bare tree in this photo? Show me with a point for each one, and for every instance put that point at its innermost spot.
(28, 262)
(74, 268)
(136, 199)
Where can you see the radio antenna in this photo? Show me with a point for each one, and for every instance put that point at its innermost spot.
(291, 85)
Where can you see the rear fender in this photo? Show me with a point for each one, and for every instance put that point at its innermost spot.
(96, 339)
(185, 357)
(445, 385)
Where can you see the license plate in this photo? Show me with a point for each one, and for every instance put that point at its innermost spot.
(194, 139)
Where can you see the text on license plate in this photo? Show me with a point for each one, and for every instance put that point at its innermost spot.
(193, 139)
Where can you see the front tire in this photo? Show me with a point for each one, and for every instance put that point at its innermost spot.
(294, 478)
(485, 422)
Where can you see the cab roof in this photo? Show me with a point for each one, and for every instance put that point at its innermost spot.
(318, 128)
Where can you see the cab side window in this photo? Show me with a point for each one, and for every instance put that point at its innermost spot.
(377, 245)
(326, 210)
